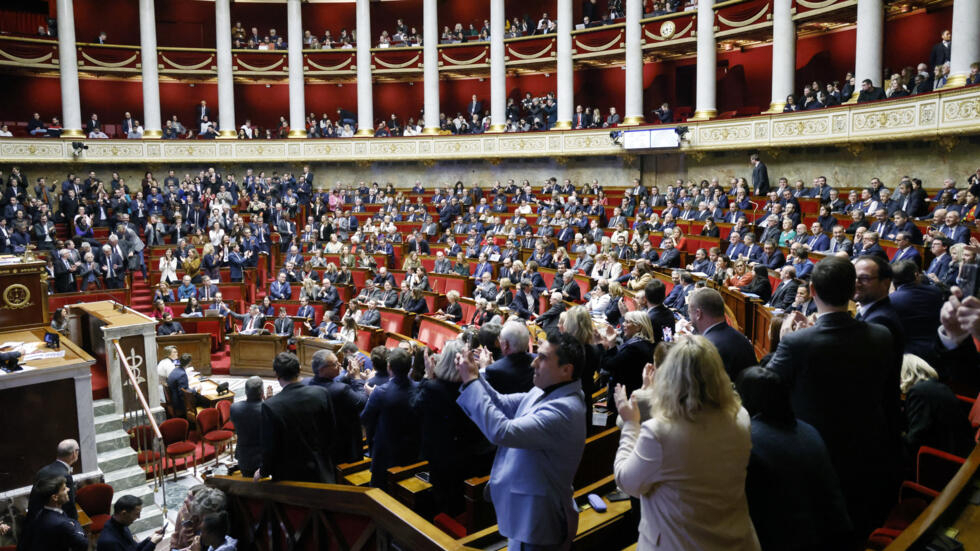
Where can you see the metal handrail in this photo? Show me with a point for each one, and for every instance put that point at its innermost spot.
(139, 393)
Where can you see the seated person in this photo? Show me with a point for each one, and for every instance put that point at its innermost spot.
(178, 381)
(168, 326)
(283, 324)
(186, 289)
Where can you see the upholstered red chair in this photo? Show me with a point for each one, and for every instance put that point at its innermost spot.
(224, 408)
(176, 445)
(209, 420)
(141, 440)
(96, 501)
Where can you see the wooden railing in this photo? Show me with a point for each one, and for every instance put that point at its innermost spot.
(141, 425)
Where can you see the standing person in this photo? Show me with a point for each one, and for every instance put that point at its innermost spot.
(347, 397)
(115, 534)
(707, 310)
(838, 373)
(297, 428)
(760, 175)
(688, 461)
(67, 456)
(50, 528)
(389, 422)
(540, 437)
(247, 418)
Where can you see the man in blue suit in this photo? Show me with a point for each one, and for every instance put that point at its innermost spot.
(390, 422)
(51, 528)
(952, 229)
(540, 437)
(706, 308)
(512, 372)
(772, 257)
(177, 383)
(938, 271)
(818, 240)
(905, 250)
(917, 306)
(280, 289)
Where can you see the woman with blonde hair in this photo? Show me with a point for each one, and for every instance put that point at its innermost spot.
(688, 461)
(453, 311)
(624, 363)
(933, 413)
(310, 290)
(642, 275)
(192, 265)
(577, 322)
(742, 275)
(412, 262)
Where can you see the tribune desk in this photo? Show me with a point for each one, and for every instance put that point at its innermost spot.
(306, 347)
(48, 401)
(253, 354)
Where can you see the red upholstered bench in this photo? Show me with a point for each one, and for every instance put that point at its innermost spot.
(435, 333)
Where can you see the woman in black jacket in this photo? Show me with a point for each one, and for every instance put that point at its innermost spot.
(417, 303)
(760, 285)
(453, 445)
(933, 414)
(453, 312)
(623, 364)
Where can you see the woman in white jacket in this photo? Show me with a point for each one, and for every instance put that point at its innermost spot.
(168, 267)
(687, 463)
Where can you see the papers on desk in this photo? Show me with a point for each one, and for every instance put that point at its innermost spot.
(25, 348)
(44, 355)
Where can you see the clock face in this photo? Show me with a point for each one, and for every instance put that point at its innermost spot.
(667, 29)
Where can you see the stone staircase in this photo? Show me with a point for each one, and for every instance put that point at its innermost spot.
(119, 466)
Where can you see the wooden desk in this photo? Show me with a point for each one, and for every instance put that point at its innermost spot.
(209, 389)
(198, 345)
(307, 346)
(253, 354)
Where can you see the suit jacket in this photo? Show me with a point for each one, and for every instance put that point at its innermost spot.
(56, 468)
(736, 351)
(348, 401)
(940, 54)
(846, 245)
(935, 418)
(548, 321)
(116, 537)
(624, 364)
(176, 383)
(520, 305)
(571, 291)
(659, 461)
(670, 258)
(298, 434)
(907, 254)
(540, 439)
(784, 295)
(391, 427)
(511, 373)
(371, 318)
(247, 417)
(52, 530)
(838, 375)
(760, 179)
(283, 326)
(280, 291)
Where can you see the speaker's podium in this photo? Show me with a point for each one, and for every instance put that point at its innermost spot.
(48, 396)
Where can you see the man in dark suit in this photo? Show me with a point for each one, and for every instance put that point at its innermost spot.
(371, 317)
(571, 290)
(869, 92)
(660, 316)
(512, 372)
(51, 529)
(940, 53)
(348, 399)
(389, 421)
(67, 455)
(525, 303)
(785, 293)
(669, 257)
(247, 416)
(706, 309)
(252, 322)
(905, 252)
(177, 383)
(664, 114)
(938, 271)
(64, 273)
(203, 113)
(548, 321)
(838, 372)
(475, 107)
(115, 535)
(112, 268)
(760, 175)
(917, 306)
(298, 428)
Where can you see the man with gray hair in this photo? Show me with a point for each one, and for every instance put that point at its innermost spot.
(348, 397)
(247, 417)
(512, 372)
(548, 321)
(67, 455)
(112, 267)
(706, 309)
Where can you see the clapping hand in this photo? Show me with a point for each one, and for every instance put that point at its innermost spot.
(793, 322)
(960, 315)
(649, 370)
(485, 357)
(627, 408)
(466, 365)
(430, 365)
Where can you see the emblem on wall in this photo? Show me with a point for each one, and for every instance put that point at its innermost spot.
(16, 297)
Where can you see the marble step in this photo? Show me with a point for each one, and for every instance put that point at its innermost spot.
(114, 460)
(112, 440)
(125, 479)
(104, 407)
(150, 519)
(108, 423)
(144, 492)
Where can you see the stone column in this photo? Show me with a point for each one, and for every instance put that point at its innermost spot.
(965, 47)
(868, 45)
(633, 114)
(783, 54)
(566, 89)
(365, 96)
(430, 65)
(71, 105)
(297, 96)
(226, 79)
(705, 106)
(498, 68)
(152, 127)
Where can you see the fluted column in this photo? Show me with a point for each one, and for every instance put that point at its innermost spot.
(152, 127)
(297, 96)
(705, 106)
(498, 68)
(566, 89)
(430, 65)
(965, 46)
(226, 79)
(633, 114)
(783, 54)
(365, 97)
(71, 108)
(869, 44)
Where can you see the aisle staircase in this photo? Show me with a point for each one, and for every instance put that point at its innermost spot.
(117, 461)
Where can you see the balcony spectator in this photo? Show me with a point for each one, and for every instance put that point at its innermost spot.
(5, 132)
(54, 129)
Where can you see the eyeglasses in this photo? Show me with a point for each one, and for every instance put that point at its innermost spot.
(865, 278)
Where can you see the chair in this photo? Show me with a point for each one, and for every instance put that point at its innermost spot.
(191, 408)
(224, 408)
(141, 440)
(209, 422)
(95, 500)
(176, 445)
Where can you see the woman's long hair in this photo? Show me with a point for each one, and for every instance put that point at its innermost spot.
(691, 380)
